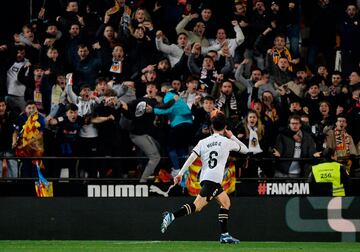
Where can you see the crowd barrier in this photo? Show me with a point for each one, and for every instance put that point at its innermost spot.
(263, 209)
(251, 219)
(118, 187)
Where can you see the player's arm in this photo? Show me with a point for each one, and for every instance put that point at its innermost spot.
(193, 156)
(243, 149)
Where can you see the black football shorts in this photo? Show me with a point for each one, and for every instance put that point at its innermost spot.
(210, 189)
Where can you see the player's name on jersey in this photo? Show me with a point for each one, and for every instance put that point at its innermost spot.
(213, 144)
(265, 188)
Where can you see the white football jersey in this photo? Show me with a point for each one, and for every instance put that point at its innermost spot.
(214, 152)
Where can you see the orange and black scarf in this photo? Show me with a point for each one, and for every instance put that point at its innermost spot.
(285, 53)
(342, 140)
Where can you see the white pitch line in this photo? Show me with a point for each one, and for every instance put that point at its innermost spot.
(137, 242)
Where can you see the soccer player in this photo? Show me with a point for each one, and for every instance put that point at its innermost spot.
(214, 152)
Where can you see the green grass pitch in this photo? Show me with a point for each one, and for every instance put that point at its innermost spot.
(174, 246)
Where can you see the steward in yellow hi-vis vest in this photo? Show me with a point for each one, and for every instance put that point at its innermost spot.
(331, 172)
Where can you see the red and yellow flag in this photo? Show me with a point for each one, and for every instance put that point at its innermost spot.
(193, 180)
(43, 187)
(31, 143)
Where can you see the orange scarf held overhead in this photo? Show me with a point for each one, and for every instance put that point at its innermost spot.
(116, 8)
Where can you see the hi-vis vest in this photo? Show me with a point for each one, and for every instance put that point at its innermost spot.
(329, 172)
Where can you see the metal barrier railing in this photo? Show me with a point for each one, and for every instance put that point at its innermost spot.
(270, 160)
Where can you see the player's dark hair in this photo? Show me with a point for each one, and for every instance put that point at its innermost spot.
(218, 122)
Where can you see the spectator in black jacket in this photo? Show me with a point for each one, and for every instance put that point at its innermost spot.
(350, 39)
(70, 16)
(143, 132)
(293, 143)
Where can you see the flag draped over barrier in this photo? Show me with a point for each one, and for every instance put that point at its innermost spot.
(43, 187)
(191, 178)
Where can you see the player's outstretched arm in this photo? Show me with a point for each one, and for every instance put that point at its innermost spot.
(187, 163)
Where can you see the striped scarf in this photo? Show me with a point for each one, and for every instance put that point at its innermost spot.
(221, 101)
(285, 53)
(342, 141)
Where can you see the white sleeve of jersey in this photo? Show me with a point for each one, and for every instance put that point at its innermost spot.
(196, 152)
(238, 145)
(197, 149)
(188, 162)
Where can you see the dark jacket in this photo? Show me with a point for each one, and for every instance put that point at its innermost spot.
(142, 122)
(285, 144)
(87, 70)
(6, 131)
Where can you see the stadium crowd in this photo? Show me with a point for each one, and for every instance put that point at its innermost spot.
(140, 78)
